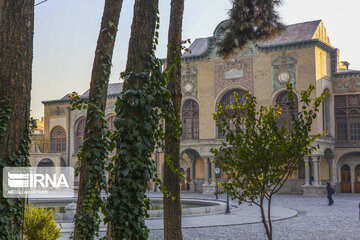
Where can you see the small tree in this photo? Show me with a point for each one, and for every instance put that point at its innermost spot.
(40, 224)
(260, 153)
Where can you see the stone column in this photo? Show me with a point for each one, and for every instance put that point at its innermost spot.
(307, 171)
(319, 172)
(352, 178)
(207, 188)
(206, 162)
(331, 170)
(315, 161)
(213, 171)
(193, 182)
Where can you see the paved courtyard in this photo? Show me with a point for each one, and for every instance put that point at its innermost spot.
(315, 220)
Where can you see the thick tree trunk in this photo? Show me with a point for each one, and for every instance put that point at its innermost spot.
(141, 39)
(97, 96)
(140, 43)
(16, 54)
(172, 208)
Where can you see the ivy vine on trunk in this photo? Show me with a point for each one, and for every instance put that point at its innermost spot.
(94, 151)
(16, 52)
(143, 104)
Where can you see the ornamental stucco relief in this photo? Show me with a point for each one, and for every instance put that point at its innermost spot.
(189, 80)
(237, 71)
(284, 70)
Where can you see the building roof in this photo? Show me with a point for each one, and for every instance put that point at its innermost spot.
(298, 32)
(198, 47)
(293, 34)
(114, 89)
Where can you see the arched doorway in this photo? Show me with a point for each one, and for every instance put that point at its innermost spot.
(79, 133)
(345, 179)
(357, 179)
(182, 181)
(185, 170)
(76, 178)
(46, 163)
(62, 165)
(45, 166)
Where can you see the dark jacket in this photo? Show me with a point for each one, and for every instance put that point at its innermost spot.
(330, 190)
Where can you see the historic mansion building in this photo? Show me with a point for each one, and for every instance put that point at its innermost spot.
(301, 55)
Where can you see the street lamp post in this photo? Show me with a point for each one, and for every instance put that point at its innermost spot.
(156, 165)
(227, 203)
(217, 171)
(227, 197)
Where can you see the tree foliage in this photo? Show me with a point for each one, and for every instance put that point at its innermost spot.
(260, 153)
(249, 20)
(40, 224)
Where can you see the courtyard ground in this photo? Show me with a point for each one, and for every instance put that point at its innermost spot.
(315, 221)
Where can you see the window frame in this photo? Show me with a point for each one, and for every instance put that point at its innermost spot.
(190, 119)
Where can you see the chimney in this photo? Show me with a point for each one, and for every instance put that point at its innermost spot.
(346, 64)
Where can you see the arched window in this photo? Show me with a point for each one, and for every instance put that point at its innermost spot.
(79, 134)
(283, 100)
(110, 123)
(301, 170)
(190, 120)
(326, 113)
(58, 140)
(228, 99)
(46, 163)
(347, 118)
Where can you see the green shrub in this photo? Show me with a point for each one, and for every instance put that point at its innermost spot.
(39, 224)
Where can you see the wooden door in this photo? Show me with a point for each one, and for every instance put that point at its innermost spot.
(345, 179)
(357, 179)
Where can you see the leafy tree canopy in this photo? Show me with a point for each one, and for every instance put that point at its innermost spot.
(249, 20)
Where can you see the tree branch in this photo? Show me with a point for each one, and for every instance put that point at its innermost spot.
(36, 4)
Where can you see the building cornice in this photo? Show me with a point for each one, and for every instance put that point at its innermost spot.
(349, 74)
(294, 45)
(67, 101)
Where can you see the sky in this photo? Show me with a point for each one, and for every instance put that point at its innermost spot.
(66, 32)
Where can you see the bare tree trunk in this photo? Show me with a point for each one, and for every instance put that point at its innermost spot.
(97, 97)
(269, 216)
(172, 208)
(140, 43)
(141, 39)
(263, 219)
(16, 54)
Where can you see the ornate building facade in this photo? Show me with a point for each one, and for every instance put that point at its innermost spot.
(302, 55)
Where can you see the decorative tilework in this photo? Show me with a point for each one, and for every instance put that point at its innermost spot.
(284, 70)
(110, 106)
(346, 85)
(237, 71)
(57, 111)
(189, 80)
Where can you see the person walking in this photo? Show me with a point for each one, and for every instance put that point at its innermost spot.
(330, 192)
